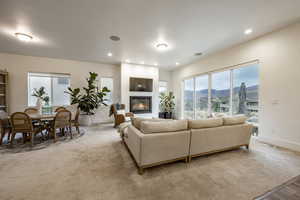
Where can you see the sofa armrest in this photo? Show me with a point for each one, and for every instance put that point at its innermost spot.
(133, 139)
(160, 147)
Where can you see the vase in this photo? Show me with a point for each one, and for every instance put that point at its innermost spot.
(39, 104)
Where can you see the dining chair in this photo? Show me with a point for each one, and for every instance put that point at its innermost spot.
(22, 123)
(61, 121)
(31, 110)
(59, 108)
(5, 126)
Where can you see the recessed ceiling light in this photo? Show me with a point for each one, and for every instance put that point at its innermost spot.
(127, 60)
(23, 37)
(142, 62)
(109, 54)
(162, 46)
(248, 31)
(155, 64)
(115, 38)
(177, 63)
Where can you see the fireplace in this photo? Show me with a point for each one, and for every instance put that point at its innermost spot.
(141, 104)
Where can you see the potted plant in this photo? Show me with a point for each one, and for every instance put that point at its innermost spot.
(166, 105)
(41, 96)
(89, 99)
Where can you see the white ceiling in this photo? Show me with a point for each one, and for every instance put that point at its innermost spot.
(80, 29)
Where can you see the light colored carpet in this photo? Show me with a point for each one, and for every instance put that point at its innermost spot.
(98, 166)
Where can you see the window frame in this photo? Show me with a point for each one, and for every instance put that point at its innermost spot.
(49, 75)
(209, 73)
(112, 90)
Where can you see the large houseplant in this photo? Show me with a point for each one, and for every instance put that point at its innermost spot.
(166, 105)
(89, 99)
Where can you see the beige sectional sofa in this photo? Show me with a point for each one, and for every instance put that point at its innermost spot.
(153, 142)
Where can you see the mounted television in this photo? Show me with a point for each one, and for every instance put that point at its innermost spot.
(141, 85)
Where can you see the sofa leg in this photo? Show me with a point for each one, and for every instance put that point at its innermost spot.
(247, 146)
(141, 170)
(186, 160)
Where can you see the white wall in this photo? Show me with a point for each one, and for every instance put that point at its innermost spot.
(165, 75)
(279, 57)
(131, 70)
(18, 66)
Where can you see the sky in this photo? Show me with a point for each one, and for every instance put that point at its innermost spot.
(221, 80)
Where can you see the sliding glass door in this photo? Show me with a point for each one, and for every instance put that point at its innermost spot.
(231, 92)
(188, 90)
(201, 97)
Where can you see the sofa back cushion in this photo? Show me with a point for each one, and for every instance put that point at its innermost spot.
(205, 123)
(136, 121)
(234, 120)
(149, 127)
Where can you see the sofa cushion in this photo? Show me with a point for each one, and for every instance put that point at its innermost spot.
(205, 123)
(136, 121)
(238, 119)
(149, 127)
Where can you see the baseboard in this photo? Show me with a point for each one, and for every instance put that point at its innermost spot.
(281, 143)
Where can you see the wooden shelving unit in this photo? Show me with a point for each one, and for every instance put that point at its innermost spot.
(4, 90)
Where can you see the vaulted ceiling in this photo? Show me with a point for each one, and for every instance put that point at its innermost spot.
(80, 29)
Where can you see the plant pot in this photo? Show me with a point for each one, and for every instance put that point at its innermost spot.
(85, 120)
(165, 115)
(168, 115)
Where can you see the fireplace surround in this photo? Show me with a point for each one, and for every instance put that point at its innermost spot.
(140, 104)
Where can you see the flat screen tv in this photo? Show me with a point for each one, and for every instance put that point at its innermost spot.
(141, 85)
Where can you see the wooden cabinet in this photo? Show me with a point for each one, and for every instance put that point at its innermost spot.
(4, 90)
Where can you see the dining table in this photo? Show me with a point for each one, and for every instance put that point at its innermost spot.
(44, 116)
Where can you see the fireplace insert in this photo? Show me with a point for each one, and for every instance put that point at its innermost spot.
(141, 104)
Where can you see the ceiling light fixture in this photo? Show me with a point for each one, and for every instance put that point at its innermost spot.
(109, 54)
(248, 31)
(115, 38)
(155, 64)
(127, 60)
(23, 37)
(162, 46)
(198, 54)
(177, 63)
(142, 62)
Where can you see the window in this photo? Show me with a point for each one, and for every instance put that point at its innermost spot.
(55, 86)
(109, 83)
(201, 97)
(163, 86)
(188, 101)
(233, 91)
(220, 92)
(245, 92)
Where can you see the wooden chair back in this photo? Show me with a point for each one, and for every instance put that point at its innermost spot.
(114, 110)
(62, 119)
(31, 111)
(21, 122)
(4, 119)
